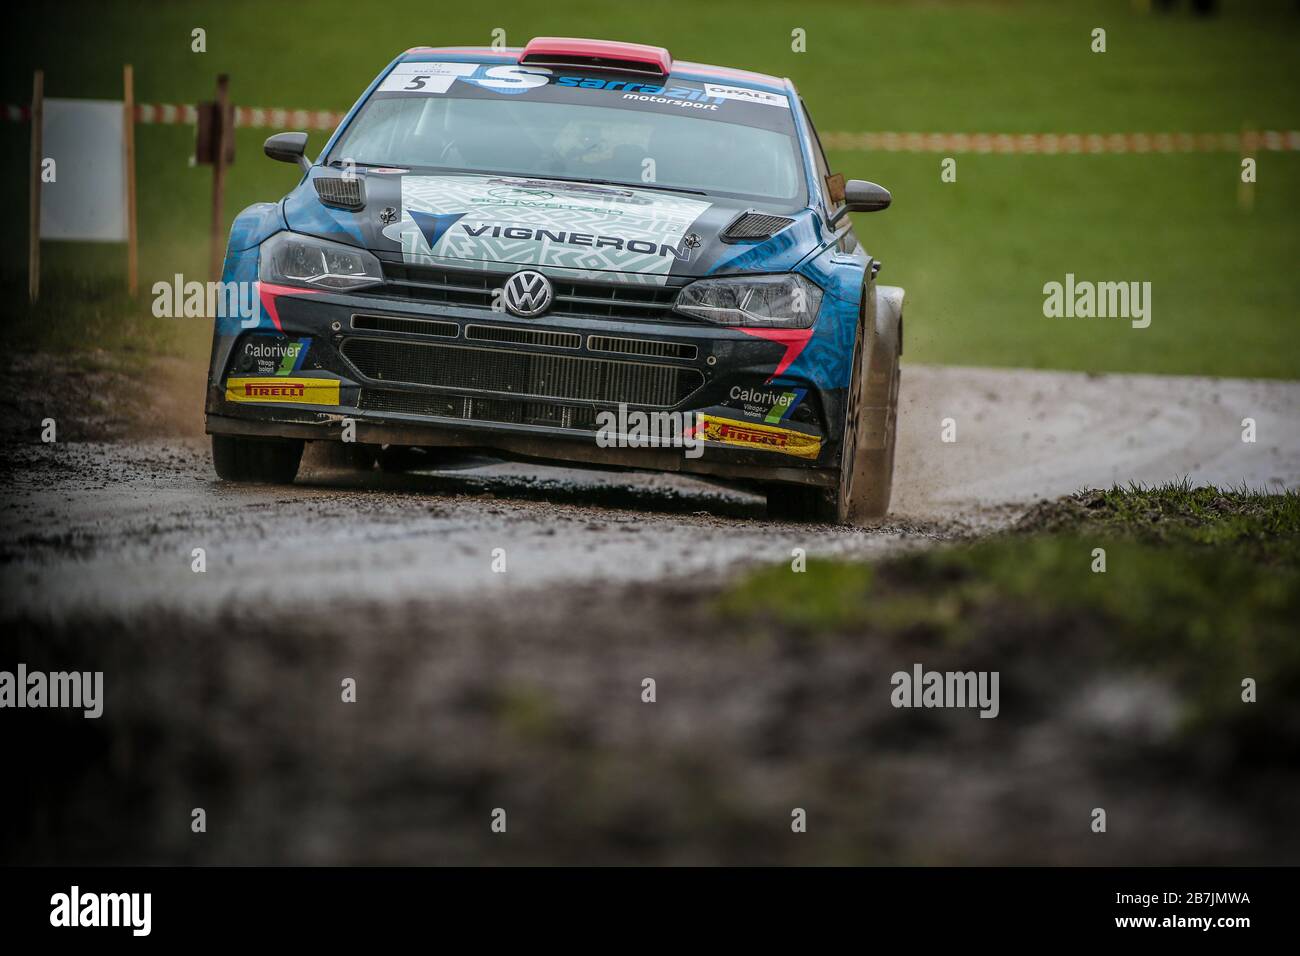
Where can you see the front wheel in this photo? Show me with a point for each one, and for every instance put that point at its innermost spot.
(271, 461)
(874, 482)
(866, 476)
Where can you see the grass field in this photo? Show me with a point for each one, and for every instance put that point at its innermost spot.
(973, 254)
(1200, 586)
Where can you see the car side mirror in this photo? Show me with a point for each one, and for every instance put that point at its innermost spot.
(288, 148)
(862, 196)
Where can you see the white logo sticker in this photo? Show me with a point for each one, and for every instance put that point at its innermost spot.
(511, 79)
(746, 95)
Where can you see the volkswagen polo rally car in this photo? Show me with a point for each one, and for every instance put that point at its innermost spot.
(498, 246)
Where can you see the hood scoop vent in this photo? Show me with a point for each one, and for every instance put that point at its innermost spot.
(749, 226)
(340, 193)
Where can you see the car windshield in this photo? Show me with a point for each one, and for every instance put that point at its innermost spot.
(669, 136)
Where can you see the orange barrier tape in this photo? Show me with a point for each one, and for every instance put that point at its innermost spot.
(169, 114)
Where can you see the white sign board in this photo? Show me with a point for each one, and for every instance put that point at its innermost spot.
(87, 198)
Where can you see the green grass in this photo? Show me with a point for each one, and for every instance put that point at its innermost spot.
(973, 255)
(1199, 583)
(79, 316)
(1264, 527)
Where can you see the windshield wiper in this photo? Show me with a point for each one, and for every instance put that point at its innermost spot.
(547, 176)
(612, 182)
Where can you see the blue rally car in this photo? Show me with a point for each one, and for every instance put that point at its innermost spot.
(499, 247)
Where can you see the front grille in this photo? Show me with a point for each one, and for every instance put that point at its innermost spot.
(609, 343)
(476, 408)
(531, 374)
(605, 300)
(408, 403)
(391, 323)
(446, 286)
(501, 333)
(613, 301)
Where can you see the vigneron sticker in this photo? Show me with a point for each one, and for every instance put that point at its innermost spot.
(424, 77)
(745, 95)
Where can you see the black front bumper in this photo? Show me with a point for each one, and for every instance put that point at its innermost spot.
(411, 374)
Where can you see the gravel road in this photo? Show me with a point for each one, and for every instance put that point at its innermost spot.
(111, 527)
(522, 690)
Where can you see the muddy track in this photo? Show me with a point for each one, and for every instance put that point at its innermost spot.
(522, 690)
(111, 527)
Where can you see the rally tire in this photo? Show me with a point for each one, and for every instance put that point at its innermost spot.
(272, 461)
(867, 480)
(826, 505)
(866, 477)
(871, 502)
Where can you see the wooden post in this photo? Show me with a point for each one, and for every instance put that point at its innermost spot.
(34, 235)
(217, 243)
(128, 130)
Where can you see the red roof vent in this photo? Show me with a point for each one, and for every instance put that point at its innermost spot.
(598, 54)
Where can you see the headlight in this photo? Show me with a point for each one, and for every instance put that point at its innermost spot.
(304, 260)
(776, 302)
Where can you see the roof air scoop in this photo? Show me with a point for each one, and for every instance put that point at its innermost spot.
(597, 55)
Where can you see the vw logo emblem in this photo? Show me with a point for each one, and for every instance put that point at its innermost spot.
(526, 294)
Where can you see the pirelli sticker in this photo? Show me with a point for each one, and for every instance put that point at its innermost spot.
(760, 437)
(296, 390)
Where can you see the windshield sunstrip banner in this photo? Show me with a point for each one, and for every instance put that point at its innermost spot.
(736, 104)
